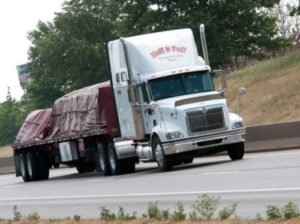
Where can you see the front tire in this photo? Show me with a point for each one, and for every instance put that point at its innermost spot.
(164, 162)
(236, 151)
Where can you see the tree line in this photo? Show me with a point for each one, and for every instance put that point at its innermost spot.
(70, 52)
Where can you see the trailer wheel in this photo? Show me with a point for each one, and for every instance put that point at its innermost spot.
(32, 164)
(236, 151)
(164, 162)
(102, 160)
(23, 167)
(114, 163)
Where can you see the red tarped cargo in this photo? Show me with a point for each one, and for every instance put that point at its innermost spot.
(35, 126)
(86, 111)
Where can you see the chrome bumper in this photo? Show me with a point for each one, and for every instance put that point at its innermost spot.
(208, 141)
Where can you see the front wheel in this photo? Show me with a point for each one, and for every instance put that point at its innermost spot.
(236, 151)
(164, 162)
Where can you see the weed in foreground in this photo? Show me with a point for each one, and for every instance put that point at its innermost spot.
(178, 214)
(106, 215)
(156, 213)
(227, 211)
(273, 212)
(206, 207)
(125, 216)
(17, 213)
(290, 210)
(77, 218)
(33, 216)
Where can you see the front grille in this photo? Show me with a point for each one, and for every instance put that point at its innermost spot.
(205, 120)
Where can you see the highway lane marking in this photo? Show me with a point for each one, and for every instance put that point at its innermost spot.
(267, 190)
(221, 172)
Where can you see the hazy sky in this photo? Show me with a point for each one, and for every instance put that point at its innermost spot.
(17, 18)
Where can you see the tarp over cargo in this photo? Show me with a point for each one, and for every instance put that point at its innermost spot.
(86, 111)
(35, 126)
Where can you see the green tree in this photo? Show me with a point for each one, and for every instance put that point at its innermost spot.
(8, 121)
(234, 28)
(70, 52)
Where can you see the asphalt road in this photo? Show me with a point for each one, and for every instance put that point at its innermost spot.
(254, 182)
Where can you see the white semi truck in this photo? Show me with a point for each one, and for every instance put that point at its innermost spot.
(161, 105)
(167, 104)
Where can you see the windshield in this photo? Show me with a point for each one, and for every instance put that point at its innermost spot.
(182, 84)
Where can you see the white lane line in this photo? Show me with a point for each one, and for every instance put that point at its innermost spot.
(267, 190)
(221, 172)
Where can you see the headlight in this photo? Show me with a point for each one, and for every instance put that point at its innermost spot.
(173, 135)
(237, 125)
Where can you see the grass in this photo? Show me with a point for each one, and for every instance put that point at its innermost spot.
(272, 90)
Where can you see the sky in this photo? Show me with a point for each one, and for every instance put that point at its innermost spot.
(17, 18)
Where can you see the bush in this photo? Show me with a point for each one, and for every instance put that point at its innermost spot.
(77, 218)
(290, 210)
(153, 210)
(33, 216)
(106, 215)
(193, 216)
(207, 206)
(125, 216)
(178, 214)
(227, 211)
(155, 213)
(273, 212)
(17, 213)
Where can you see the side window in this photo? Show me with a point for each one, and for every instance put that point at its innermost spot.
(138, 94)
(145, 93)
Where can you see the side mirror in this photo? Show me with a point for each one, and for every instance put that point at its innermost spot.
(242, 91)
(220, 74)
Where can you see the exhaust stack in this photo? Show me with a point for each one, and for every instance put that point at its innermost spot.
(203, 43)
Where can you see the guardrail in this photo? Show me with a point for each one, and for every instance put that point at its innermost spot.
(7, 165)
(273, 137)
(260, 138)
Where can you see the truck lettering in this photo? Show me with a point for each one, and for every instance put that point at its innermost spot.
(158, 52)
(168, 49)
